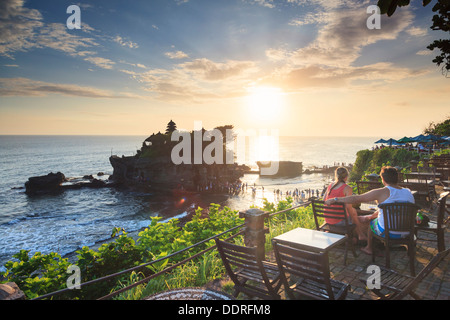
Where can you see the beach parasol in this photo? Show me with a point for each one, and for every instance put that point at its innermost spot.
(404, 140)
(381, 141)
(417, 138)
(392, 142)
(434, 137)
(431, 138)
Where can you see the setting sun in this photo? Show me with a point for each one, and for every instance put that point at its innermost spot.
(265, 103)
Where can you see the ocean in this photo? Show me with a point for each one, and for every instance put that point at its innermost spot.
(67, 221)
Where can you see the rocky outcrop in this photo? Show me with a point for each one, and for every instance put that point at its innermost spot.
(160, 172)
(57, 182)
(10, 291)
(45, 184)
(285, 168)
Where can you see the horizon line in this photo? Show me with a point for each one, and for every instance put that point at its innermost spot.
(139, 135)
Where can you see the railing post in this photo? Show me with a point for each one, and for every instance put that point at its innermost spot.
(254, 233)
(414, 164)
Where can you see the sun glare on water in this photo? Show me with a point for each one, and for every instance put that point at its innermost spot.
(265, 103)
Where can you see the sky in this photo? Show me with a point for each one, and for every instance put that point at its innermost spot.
(302, 67)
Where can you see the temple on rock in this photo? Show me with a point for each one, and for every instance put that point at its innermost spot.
(153, 166)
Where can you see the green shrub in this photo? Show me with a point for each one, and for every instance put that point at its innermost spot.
(43, 274)
(371, 161)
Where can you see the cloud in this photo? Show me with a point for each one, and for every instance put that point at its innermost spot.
(84, 6)
(328, 61)
(173, 85)
(206, 69)
(17, 27)
(417, 32)
(327, 4)
(22, 29)
(340, 41)
(11, 87)
(176, 55)
(264, 3)
(124, 43)
(55, 36)
(424, 52)
(138, 65)
(310, 18)
(101, 62)
(277, 54)
(315, 76)
(198, 80)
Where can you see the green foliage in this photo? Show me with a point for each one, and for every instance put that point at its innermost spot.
(43, 274)
(38, 274)
(371, 161)
(389, 6)
(284, 222)
(441, 128)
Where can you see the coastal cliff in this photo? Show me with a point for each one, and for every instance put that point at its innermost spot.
(162, 173)
(153, 166)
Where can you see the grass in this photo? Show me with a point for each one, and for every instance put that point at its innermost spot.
(284, 222)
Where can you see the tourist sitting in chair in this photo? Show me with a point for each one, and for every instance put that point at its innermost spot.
(339, 189)
(391, 193)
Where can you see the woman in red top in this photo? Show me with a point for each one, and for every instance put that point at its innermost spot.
(340, 189)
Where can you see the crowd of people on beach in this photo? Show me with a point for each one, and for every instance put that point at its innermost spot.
(296, 194)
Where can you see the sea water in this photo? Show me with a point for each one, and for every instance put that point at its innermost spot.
(69, 220)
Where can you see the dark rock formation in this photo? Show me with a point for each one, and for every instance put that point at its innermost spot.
(161, 173)
(285, 168)
(44, 184)
(57, 182)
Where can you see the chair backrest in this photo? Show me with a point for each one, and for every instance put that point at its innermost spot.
(365, 186)
(306, 265)
(422, 274)
(399, 216)
(237, 257)
(442, 203)
(415, 186)
(419, 178)
(335, 211)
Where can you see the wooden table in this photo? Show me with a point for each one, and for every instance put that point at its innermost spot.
(366, 208)
(311, 240)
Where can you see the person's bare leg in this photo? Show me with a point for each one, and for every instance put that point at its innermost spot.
(360, 227)
(368, 249)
